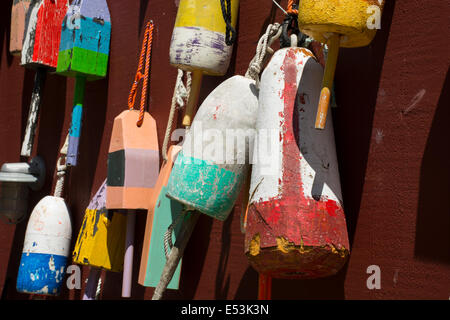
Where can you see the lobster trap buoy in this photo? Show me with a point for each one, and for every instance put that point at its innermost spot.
(47, 241)
(83, 54)
(212, 165)
(40, 51)
(101, 238)
(133, 161)
(295, 225)
(163, 213)
(348, 24)
(46, 248)
(202, 42)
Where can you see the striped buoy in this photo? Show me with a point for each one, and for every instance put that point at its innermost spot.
(295, 224)
(46, 248)
(212, 165)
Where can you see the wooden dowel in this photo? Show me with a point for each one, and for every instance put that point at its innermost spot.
(197, 77)
(33, 113)
(327, 84)
(77, 118)
(175, 255)
(128, 258)
(264, 287)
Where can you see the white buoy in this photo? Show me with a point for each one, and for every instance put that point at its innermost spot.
(46, 248)
(210, 169)
(295, 190)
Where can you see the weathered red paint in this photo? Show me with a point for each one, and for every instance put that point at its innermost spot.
(306, 224)
(48, 32)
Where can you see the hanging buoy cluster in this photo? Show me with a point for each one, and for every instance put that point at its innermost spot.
(255, 134)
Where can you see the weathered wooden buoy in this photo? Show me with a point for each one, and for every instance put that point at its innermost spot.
(252, 78)
(47, 242)
(162, 213)
(101, 241)
(347, 23)
(211, 167)
(83, 54)
(200, 42)
(133, 161)
(40, 51)
(46, 248)
(18, 14)
(295, 224)
(133, 158)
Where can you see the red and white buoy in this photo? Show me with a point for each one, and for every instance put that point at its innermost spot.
(295, 224)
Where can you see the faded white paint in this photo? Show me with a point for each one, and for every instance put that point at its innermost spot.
(200, 49)
(317, 151)
(49, 229)
(223, 130)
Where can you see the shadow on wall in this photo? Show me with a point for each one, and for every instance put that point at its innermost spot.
(433, 216)
(357, 83)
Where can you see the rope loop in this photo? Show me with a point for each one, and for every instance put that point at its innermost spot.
(145, 56)
(180, 96)
(273, 32)
(230, 34)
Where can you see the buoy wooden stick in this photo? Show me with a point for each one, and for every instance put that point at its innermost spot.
(77, 116)
(40, 51)
(175, 255)
(83, 54)
(264, 287)
(197, 77)
(30, 131)
(91, 286)
(327, 85)
(129, 252)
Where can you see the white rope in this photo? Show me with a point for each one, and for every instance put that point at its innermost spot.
(180, 95)
(273, 32)
(61, 169)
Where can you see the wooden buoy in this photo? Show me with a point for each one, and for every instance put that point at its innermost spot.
(83, 54)
(101, 239)
(211, 168)
(199, 42)
(295, 225)
(47, 242)
(40, 51)
(133, 158)
(133, 161)
(339, 24)
(18, 15)
(162, 213)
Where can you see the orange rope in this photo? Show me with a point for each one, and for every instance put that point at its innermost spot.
(145, 54)
(289, 8)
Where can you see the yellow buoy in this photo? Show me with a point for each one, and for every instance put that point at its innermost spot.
(338, 23)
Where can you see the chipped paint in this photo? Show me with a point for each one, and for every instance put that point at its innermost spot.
(210, 181)
(296, 212)
(46, 248)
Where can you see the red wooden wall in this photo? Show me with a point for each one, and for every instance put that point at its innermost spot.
(392, 137)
